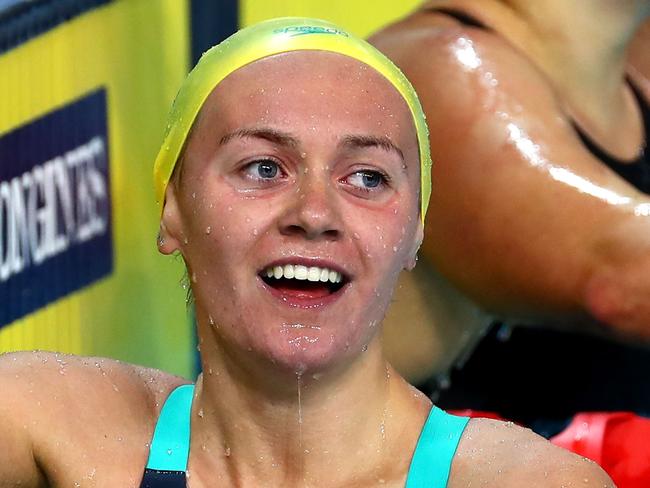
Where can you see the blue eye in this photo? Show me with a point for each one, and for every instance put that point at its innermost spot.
(267, 169)
(371, 180)
(367, 180)
(263, 169)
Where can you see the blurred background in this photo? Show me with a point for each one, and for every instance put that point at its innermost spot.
(86, 85)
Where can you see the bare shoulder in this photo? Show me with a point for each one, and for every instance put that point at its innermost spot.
(63, 410)
(449, 62)
(501, 454)
(54, 380)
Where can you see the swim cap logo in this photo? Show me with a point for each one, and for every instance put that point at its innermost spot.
(303, 30)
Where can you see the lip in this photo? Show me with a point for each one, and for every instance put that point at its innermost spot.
(306, 302)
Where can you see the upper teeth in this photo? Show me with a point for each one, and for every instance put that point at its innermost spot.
(299, 272)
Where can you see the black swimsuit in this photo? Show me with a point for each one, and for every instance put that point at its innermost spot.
(636, 172)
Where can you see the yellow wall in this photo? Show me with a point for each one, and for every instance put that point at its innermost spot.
(360, 18)
(138, 51)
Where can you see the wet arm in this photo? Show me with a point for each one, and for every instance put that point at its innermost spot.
(523, 219)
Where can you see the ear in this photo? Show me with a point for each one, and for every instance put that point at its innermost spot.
(170, 235)
(412, 256)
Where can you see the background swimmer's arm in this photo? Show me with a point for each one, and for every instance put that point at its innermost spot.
(523, 218)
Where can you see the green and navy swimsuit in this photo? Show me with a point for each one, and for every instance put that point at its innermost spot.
(170, 446)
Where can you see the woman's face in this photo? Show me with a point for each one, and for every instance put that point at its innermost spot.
(297, 207)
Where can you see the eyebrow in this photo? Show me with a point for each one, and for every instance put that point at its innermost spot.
(362, 141)
(272, 135)
(353, 141)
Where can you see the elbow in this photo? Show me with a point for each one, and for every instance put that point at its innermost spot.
(615, 298)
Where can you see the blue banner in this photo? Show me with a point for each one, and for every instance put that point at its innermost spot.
(55, 207)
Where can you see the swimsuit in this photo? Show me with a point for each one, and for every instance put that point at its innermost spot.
(542, 377)
(636, 172)
(170, 446)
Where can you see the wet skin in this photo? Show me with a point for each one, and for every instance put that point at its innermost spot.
(302, 166)
(524, 220)
(276, 405)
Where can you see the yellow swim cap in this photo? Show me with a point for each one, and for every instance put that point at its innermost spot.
(263, 40)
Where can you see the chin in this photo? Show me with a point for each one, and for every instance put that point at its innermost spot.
(302, 349)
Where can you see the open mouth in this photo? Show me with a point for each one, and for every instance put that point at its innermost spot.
(292, 281)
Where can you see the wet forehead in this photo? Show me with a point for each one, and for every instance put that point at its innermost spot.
(327, 90)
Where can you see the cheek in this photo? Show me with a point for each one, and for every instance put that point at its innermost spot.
(389, 239)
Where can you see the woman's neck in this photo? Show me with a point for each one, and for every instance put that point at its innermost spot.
(328, 429)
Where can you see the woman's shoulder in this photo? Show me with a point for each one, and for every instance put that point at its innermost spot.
(492, 453)
(54, 376)
(80, 411)
(461, 72)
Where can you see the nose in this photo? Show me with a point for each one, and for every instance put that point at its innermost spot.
(313, 211)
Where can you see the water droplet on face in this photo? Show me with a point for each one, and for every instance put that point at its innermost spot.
(200, 413)
(303, 155)
(227, 451)
(208, 229)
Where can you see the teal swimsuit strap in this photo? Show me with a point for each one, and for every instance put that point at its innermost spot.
(170, 446)
(435, 450)
(430, 465)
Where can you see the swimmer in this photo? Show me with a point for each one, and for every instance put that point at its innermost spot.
(538, 123)
(293, 181)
